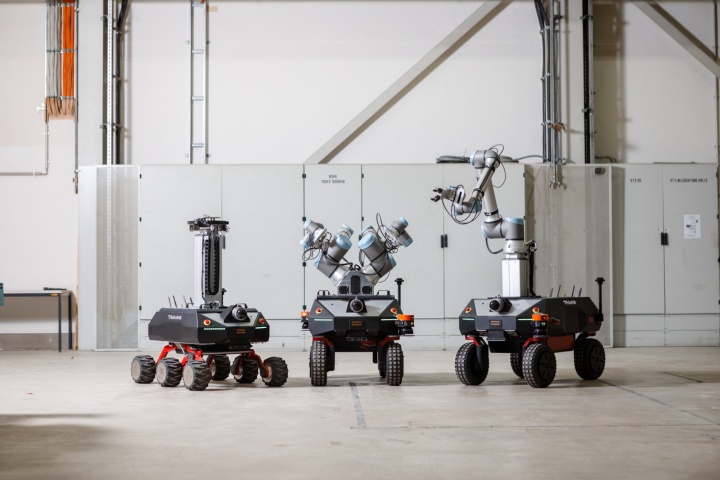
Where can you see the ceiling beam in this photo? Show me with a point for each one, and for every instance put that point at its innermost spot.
(407, 81)
(680, 34)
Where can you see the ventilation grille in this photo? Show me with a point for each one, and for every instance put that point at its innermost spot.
(117, 258)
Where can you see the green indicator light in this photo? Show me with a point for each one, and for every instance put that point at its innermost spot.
(214, 328)
(470, 319)
(323, 319)
(387, 319)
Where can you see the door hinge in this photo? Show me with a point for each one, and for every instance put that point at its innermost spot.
(443, 240)
(664, 238)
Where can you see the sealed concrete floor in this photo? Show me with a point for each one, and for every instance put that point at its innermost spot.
(654, 414)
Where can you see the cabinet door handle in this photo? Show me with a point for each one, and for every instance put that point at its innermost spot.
(443, 241)
(664, 239)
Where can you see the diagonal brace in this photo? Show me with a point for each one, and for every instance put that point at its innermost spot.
(407, 81)
(680, 34)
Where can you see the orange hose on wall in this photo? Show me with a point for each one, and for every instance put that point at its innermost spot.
(61, 97)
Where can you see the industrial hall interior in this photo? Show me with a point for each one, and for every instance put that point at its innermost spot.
(311, 239)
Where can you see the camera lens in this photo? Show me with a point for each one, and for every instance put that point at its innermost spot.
(357, 305)
(239, 313)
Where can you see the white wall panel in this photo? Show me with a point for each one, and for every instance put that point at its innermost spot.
(692, 281)
(651, 95)
(471, 271)
(674, 323)
(262, 263)
(157, 88)
(395, 191)
(638, 256)
(168, 197)
(333, 198)
(698, 338)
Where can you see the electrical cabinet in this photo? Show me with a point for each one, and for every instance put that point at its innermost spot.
(470, 269)
(667, 280)
(169, 196)
(333, 197)
(394, 191)
(261, 259)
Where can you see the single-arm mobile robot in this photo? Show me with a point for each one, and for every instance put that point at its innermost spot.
(356, 319)
(530, 328)
(210, 328)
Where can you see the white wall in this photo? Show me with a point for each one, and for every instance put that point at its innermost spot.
(38, 223)
(286, 76)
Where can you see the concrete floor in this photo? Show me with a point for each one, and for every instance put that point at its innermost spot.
(654, 414)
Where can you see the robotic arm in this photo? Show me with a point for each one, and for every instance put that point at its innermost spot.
(485, 163)
(512, 230)
(377, 246)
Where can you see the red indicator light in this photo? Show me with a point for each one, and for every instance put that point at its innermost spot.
(468, 310)
(393, 310)
(261, 320)
(206, 322)
(318, 311)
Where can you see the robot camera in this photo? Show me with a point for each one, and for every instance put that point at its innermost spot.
(499, 304)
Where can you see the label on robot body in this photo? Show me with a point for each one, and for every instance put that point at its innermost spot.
(569, 302)
(174, 317)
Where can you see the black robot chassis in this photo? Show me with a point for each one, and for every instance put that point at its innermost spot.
(531, 330)
(357, 323)
(206, 338)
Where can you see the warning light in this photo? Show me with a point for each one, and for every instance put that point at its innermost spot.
(318, 311)
(206, 322)
(536, 310)
(393, 310)
(468, 310)
(261, 320)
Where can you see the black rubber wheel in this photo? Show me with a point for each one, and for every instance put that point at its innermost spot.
(395, 364)
(589, 358)
(318, 363)
(516, 364)
(382, 361)
(467, 366)
(539, 365)
(169, 372)
(244, 370)
(142, 369)
(219, 367)
(277, 372)
(196, 375)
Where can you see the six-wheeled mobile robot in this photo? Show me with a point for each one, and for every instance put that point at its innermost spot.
(530, 328)
(356, 318)
(206, 334)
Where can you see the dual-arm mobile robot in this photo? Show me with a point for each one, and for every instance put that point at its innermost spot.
(518, 322)
(357, 318)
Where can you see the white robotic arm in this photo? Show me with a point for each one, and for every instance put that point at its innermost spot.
(512, 230)
(377, 246)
